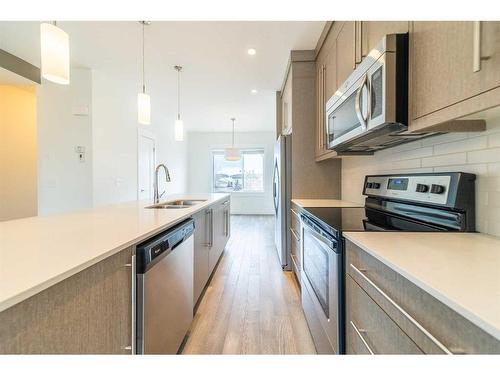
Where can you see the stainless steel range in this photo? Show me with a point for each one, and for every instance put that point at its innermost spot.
(407, 202)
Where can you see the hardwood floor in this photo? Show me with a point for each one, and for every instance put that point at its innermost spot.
(250, 306)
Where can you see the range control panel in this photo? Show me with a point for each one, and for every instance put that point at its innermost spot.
(423, 188)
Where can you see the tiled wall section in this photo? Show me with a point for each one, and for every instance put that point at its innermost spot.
(477, 153)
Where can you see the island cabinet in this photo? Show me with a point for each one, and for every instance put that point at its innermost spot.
(212, 231)
(202, 237)
(87, 313)
(296, 242)
(388, 314)
(455, 71)
(220, 230)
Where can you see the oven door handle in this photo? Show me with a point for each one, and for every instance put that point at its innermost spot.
(330, 242)
(363, 121)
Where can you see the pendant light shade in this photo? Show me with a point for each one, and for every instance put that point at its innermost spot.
(179, 130)
(143, 99)
(232, 153)
(143, 108)
(179, 124)
(54, 43)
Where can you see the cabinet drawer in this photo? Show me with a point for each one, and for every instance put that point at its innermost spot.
(295, 222)
(433, 326)
(369, 330)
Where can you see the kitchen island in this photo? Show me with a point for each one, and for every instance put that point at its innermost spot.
(56, 265)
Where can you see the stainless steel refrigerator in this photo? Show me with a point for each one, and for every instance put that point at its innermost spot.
(282, 194)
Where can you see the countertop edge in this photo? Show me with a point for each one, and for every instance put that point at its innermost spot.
(15, 299)
(467, 314)
(325, 202)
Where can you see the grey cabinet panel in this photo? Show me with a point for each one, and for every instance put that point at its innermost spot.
(432, 325)
(201, 271)
(369, 330)
(88, 313)
(221, 232)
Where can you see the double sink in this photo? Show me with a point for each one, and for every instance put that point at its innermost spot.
(181, 203)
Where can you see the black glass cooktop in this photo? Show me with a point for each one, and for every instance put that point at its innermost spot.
(356, 219)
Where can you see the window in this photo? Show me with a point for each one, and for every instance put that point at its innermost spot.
(246, 174)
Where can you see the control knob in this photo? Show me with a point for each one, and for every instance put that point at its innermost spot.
(421, 188)
(437, 189)
(376, 185)
(369, 185)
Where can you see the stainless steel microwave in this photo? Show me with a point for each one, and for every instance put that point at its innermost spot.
(369, 111)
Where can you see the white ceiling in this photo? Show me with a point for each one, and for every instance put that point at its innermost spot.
(218, 74)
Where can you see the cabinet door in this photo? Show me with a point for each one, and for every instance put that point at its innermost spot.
(442, 63)
(320, 110)
(227, 222)
(201, 250)
(286, 105)
(218, 236)
(373, 31)
(345, 49)
(369, 330)
(326, 85)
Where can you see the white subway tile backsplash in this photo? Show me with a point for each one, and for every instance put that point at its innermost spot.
(494, 140)
(402, 164)
(494, 169)
(443, 138)
(477, 153)
(476, 143)
(477, 169)
(490, 155)
(451, 159)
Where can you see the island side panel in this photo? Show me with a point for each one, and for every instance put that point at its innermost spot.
(88, 313)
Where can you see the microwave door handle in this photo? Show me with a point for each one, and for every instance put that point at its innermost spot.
(362, 120)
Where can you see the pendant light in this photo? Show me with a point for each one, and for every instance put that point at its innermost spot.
(54, 53)
(179, 125)
(143, 99)
(232, 153)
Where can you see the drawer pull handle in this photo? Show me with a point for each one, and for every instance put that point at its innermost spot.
(358, 332)
(401, 310)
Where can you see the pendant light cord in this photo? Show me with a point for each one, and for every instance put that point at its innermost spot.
(178, 93)
(233, 132)
(143, 84)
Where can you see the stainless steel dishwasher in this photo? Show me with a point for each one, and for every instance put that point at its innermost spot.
(165, 290)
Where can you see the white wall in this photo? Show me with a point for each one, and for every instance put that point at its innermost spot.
(477, 153)
(114, 121)
(109, 135)
(64, 183)
(200, 168)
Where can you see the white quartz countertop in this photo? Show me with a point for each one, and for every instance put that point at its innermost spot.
(325, 203)
(38, 252)
(462, 270)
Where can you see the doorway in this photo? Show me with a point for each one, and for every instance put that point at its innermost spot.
(146, 161)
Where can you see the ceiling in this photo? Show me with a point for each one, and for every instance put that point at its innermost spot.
(218, 74)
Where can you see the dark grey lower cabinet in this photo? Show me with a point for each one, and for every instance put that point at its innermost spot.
(87, 313)
(388, 314)
(212, 231)
(201, 251)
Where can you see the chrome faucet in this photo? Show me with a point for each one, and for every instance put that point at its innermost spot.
(157, 196)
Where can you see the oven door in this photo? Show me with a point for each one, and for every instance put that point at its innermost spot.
(321, 278)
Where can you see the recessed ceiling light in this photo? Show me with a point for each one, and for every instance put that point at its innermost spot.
(253, 91)
(251, 51)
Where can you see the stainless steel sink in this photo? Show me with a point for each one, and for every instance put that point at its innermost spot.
(184, 203)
